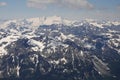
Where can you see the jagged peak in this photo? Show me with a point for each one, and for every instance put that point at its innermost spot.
(49, 20)
(37, 21)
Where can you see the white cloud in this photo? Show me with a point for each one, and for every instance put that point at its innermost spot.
(3, 3)
(78, 4)
(39, 3)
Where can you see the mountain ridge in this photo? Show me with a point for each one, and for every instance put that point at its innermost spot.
(82, 50)
(37, 21)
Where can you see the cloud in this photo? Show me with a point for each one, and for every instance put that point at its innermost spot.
(78, 4)
(3, 3)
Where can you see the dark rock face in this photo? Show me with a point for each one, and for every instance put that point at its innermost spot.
(59, 52)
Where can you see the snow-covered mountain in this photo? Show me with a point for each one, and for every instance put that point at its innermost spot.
(35, 22)
(50, 48)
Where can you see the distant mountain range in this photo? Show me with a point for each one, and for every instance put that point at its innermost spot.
(54, 48)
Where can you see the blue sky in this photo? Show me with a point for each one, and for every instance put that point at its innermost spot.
(72, 9)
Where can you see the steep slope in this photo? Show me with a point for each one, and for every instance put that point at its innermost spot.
(51, 48)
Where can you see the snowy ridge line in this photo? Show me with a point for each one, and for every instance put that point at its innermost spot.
(35, 22)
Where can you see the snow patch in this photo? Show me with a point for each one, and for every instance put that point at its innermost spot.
(37, 45)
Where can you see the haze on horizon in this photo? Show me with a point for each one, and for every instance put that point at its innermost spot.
(71, 9)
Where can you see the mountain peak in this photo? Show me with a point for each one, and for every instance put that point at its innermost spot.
(52, 20)
(37, 21)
